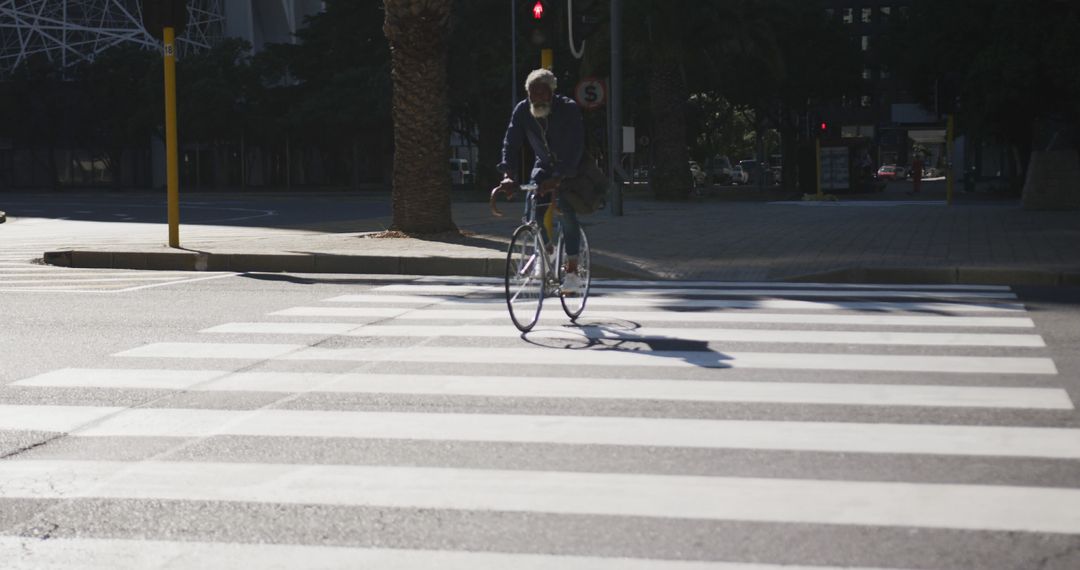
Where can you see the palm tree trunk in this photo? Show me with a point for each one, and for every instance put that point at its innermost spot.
(418, 32)
(670, 179)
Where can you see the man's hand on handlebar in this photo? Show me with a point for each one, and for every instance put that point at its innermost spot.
(506, 186)
(547, 186)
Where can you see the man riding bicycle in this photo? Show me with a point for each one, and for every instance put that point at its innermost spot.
(556, 132)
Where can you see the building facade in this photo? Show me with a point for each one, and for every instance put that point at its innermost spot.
(881, 119)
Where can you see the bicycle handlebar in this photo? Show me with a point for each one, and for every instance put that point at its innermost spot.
(510, 195)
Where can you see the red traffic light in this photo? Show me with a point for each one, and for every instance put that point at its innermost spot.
(538, 10)
(824, 127)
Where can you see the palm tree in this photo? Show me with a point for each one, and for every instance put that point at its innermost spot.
(418, 32)
(688, 47)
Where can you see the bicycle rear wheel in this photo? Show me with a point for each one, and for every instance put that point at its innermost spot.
(574, 305)
(525, 276)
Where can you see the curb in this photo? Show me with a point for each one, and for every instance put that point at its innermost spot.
(295, 263)
(494, 266)
(943, 275)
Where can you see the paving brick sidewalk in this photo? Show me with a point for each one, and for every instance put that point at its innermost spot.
(891, 238)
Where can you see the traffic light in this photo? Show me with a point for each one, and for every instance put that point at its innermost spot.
(540, 29)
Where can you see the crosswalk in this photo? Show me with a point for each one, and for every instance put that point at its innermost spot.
(676, 426)
(21, 270)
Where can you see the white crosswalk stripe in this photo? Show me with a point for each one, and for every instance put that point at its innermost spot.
(705, 434)
(592, 332)
(777, 304)
(655, 316)
(653, 358)
(970, 507)
(833, 393)
(634, 416)
(731, 291)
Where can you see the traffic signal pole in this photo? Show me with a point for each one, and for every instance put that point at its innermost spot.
(615, 101)
(950, 176)
(513, 55)
(172, 170)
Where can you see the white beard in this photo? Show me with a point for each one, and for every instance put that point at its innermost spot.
(539, 111)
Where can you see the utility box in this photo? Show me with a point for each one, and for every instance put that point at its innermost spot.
(835, 168)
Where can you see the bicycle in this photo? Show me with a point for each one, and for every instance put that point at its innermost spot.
(535, 269)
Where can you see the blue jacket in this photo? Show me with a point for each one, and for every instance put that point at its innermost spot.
(565, 137)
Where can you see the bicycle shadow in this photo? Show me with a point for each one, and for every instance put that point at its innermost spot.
(618, 337)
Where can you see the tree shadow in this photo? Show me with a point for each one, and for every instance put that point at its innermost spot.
(894, 305)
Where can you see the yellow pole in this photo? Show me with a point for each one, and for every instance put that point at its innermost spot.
(172, 170)
(547, 58)
(949, 161)
(817, 164)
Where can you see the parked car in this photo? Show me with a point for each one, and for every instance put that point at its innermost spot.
(460, 173)
(739, 176)
(755, 169)
(890, 172)
(718, 169)
(697, 175)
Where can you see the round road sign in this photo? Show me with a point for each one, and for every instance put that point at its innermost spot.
(590, 93)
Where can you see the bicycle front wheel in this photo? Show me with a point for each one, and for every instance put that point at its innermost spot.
(575, 304)
(525, 276)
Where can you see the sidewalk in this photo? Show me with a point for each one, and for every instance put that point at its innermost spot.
(889, 237)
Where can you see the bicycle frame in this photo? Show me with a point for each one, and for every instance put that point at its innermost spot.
(548, 259)
(529, 258)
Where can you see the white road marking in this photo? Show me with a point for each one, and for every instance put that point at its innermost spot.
(670, 304)
(556, 387)
(145, 379)
(608, 357)
(835, 437)
(585, 333)
(662, 316)
(51, 418)
(969, 507)
(741, 292)
(479, 281)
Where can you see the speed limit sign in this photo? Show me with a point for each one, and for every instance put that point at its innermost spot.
(590, 93)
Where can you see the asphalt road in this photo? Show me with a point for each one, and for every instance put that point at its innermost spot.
(277, 420)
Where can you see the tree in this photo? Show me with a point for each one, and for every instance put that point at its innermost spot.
(695, 48)
(1009, 65)
(40, 107)
(338, 76)
(480, 83)
(123, 99)
(418, 31)
(667, 33)
(213, 89)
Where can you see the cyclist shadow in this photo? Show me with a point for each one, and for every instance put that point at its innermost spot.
(619, 337)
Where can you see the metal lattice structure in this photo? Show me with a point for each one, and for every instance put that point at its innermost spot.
(71, 31)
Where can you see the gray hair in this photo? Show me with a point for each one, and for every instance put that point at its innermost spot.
(543, 76)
